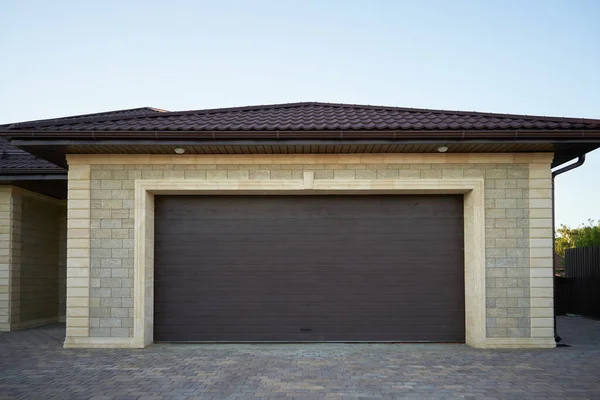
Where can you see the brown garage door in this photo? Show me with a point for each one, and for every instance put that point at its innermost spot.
(309, 268)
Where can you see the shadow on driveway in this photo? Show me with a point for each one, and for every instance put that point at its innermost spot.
(578, 331)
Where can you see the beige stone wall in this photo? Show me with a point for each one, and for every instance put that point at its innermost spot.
(78, 252)
(62, 264)
(30, 258)
(101, 227)
(10, 283)
(541, 253)
(8, 259)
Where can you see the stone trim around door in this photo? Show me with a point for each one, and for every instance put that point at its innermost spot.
(474, 233)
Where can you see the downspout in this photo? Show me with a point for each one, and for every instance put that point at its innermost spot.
(570, 167)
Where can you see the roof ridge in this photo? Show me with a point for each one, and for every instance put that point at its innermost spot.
(157, 113)
(392, 108)
(121, 115)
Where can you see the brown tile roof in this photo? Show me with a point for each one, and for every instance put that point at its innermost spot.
(304, 117)
(131, 112)
(16, 161)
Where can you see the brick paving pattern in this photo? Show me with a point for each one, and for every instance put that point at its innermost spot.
(33, 365)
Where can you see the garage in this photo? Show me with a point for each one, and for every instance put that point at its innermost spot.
(340, 268)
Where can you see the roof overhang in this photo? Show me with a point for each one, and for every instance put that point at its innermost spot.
(53, 185)
(419, 134)
(8, 176)
(53, 146)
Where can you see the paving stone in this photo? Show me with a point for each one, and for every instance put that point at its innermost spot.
(33, 364)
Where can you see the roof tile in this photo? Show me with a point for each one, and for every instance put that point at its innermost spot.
(15, 160)
(303, 117)
(12, 159)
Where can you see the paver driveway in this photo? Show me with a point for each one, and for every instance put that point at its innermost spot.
(34, 365)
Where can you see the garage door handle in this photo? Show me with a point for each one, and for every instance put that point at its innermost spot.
(305, 329)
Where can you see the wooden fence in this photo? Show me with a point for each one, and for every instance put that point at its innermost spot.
(579, 293)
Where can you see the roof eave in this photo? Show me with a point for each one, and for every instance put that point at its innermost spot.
(539, 135)
(32, 176)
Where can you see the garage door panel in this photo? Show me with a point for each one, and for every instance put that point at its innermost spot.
(308, 305)
(304, 222)
(313, 288)
(274, 287)
(336, 331)
(243, 275)
(303, 318)
(255, 261)
(394, 227)
(256, 266)
(219, 252)
(191, 334)
(326, 324)
(263, 208)
(256, 311)
(215, 252)
(372, 242)
(350, 227)
(292, 303)
(306, 283)
(353, 267)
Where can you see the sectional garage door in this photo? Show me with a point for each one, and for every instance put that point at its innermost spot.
(309, 268)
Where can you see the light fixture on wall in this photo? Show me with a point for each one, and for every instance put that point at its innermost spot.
(442, 149)
(179, 150)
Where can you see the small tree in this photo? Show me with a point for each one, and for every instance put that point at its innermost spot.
(584, 236)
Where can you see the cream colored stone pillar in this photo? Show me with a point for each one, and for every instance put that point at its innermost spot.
(10, 258)
(78, 254)
(541, 252)
(62, 266)
(5, 257)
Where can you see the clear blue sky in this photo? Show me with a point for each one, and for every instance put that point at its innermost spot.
(60, 58)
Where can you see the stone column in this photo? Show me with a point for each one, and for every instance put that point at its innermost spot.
(541, 251)
(78, 254)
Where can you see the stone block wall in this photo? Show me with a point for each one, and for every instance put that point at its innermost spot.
(9, 237)
(62, 264)
(510, 203)
(541, 252)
